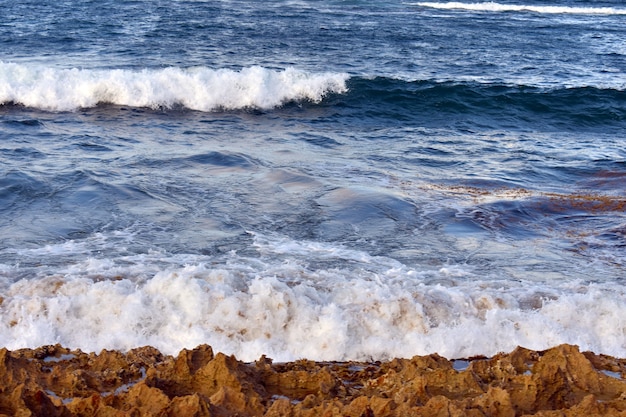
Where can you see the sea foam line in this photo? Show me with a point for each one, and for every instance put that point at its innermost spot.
(198, 88)
(498, 7)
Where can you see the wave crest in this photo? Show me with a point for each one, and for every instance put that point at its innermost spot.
(199, 88)
(497, 7)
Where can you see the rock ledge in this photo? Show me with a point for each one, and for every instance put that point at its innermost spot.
(55, 381)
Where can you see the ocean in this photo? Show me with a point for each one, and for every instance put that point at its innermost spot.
(331, 180)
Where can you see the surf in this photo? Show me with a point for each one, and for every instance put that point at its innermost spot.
(376, 309)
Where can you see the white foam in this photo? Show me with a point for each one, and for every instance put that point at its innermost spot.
(199, 88)
(360, 308)
(498, 7)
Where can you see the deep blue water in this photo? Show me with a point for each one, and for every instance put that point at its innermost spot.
(332, 179)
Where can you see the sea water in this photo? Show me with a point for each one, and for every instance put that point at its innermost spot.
(332, 180)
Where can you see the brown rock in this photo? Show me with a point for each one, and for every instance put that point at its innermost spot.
(189, 361)
(588, 407)
(358, 407)
(382, 406)
(54, 381)
(495, 402)
(563, 377)
(188, 406)
(441, 406)
(91, 406)
(147, 400)
(228, 401)
(281, 407)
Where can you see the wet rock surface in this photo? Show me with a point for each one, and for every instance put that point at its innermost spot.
(562, 381)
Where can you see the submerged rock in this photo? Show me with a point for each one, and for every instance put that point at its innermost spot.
(54, 381)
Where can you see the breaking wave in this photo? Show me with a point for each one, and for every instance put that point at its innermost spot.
(199, 88)
(498, 7)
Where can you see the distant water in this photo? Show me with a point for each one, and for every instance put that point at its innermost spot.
(332, 180)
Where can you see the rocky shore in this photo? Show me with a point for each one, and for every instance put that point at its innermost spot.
(55, 381)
